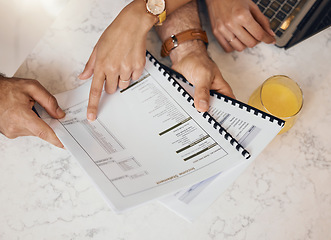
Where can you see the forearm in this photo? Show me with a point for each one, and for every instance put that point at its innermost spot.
(190, 57)
(185, 18)
(173, 5)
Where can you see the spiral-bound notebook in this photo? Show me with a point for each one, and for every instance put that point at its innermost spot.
(148, 140)
(253, 129)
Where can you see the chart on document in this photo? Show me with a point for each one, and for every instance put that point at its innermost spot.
(118, 155)
(252, 128)
(147, 141)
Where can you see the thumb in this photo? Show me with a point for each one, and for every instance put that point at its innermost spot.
(201, 96)
(37, 127)
(46, 100)
(89, 67)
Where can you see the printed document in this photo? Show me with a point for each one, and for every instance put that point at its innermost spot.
(148, 140)
(253, 131)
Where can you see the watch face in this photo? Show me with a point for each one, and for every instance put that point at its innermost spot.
(156, 6)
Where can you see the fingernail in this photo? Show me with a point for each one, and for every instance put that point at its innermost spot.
(82, 76)
(60, 145)
(203, 105)
(60, 112)
(91, 117)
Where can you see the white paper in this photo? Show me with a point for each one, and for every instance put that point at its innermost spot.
(254, 132)
(147, 142)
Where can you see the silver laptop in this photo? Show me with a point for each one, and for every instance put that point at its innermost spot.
(295, 20)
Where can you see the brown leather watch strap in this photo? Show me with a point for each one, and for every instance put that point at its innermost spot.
(175, 40)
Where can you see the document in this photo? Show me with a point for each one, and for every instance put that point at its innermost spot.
(148, 140)
(254, 131)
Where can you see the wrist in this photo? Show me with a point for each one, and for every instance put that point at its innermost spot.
(182, 40)
(157, 8)
(195, 47)
(137, 8)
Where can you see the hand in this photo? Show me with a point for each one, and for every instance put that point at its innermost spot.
(17, 97)
(192, 61)
(119, 54)
(238, 24)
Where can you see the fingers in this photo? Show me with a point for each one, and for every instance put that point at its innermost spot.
(16, 115)
(263, 22)
(244, 35)
(24, 122)
(138, 70)
(244, 26)
(89, 67)
(202, 79)
(124, 80)
(112, 76)
(238, 42)
(223, 42)
(203, 87)
(95, 94)
(113, 60)
(45, 99)
(247, 33)
(201, 97)
(39, 128)
(112, 80)
(36, 126)
(233, 36)
(253, 27)
(111, 83)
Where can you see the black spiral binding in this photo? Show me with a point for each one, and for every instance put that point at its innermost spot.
(249, 108)
(233, 101)
(169, 73)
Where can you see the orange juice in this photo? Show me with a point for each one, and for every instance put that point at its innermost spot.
(280, 96)
(279, 100)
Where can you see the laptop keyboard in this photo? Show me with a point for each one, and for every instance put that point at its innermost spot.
(277, 11)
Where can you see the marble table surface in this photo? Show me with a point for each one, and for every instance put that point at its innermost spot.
(284, 194)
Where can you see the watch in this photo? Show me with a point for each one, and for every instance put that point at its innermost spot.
(158, 9)
(188, 35)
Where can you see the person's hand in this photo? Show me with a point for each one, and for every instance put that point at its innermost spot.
(192, 61)
(238, 24)
(17, 97)
(119, 55)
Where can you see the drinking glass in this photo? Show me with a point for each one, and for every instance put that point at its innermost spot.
(280, 96)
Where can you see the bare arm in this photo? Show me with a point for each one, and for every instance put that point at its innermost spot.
(191, 58)
(119, 55)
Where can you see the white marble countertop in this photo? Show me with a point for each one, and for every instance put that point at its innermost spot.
(284, 194)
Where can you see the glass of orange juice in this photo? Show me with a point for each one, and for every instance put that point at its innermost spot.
(280, 96)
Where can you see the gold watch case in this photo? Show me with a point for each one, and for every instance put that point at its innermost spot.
(158, 9)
